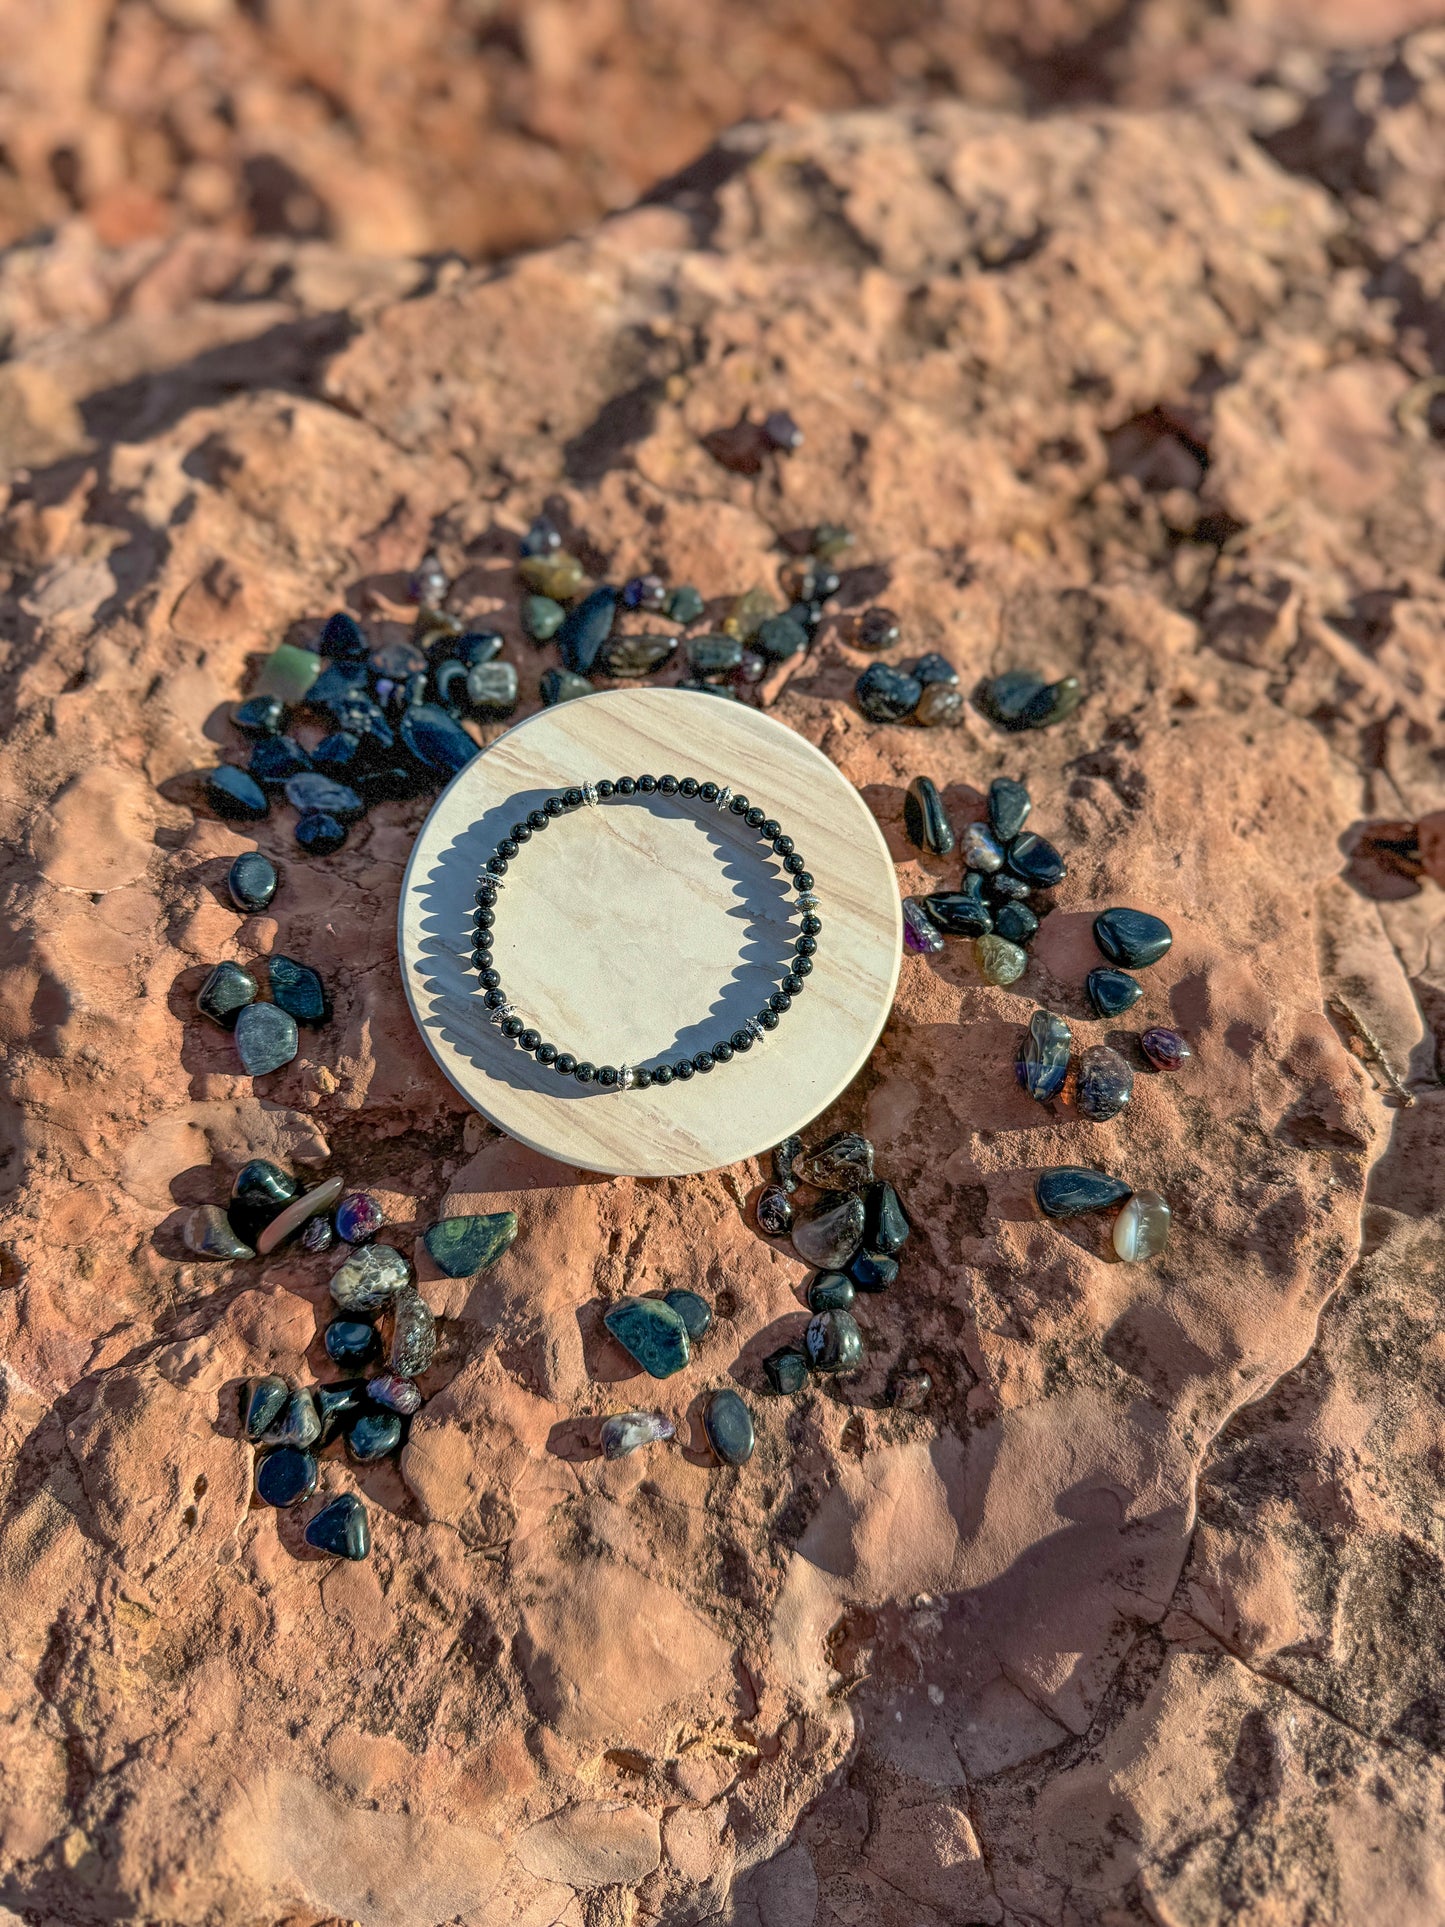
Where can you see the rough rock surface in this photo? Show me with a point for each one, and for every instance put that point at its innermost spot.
(1138, 1617)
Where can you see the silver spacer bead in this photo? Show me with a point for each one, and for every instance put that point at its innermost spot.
(724, 797)
(755, 1030)
(805, 902)
(590, 796)
(502, 1011)
(626, 1078)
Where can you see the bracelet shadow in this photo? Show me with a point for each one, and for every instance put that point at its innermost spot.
(762, 902)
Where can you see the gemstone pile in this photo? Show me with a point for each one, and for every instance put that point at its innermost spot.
(1003, 892)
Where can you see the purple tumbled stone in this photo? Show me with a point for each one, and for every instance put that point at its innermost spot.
(1165, 1049)
(645, 592)
(318, 1235)
(396, 1393)
(920, 932)
(358, 1217)
(625, 1431)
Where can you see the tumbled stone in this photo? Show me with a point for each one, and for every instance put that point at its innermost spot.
(830, 540)
(561, 686)
(368, 1279)
(491, 688)
(358, 1217)
(1165, 1049)
(694, 1311)
(885, 1222)
(833, 1342)
(625, 1432)
(430, 583)
(785, 1156)
(780, 638)
(1009, 804)
(1019, 699)
(586, 628)
(908, 1390)
(337, 1405)
(297, 1423)
(1036, 861)
(319, 834)
(786, 1369)
(774, 1212)
(650, 1332)
(713, 655)
(341, 1528)
(1016, 922)
(251, 881)
(888, 695)
(262, 1400)
(1066, 1190)
(1134, 939)
(1106, 1084)
(999, 961)
(318, 1236)
(831, 1291)
(939, 706)
(876, 628)
(285, 1476)
(960, 913)
(648, 592)
(296, 987)
(635, 655)
(351, 1343)
(260, 716)
(872, 1271)
(289, 672)
(225, 994)
(338, 686)
(413, 1333)
(235, 795)
(343, 639)
(275, 760)
(843, 1162)
(313, 791)
(685, 604)
(782, 432)
(828, 1235)
(729, 1427)
(266, 1038)
(924, 818)
(1141, 1229)
(462, 1247)
(1042, 1063)
(373, 1434)
(208, 1233)
(542, 538)
(981, 850)
(920, 933)
(396, 1393)
(934, 668)
(436, 741)
(542, 617)
(557, 575)
(479, 646)
(748, 613)
(298, 1213)
(1112, 992)
(261, 1191)
(1002, 887)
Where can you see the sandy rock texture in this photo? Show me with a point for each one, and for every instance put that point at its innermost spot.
(1137, 1618)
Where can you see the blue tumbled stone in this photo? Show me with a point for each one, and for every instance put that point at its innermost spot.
(319, 834)
(233, 794)
(1042, 1063)
(437, 741)
(586, 628)
(313, 791)
(341, 1527)
(351, 1343)
(296, 988)
(342, 639)
(373, 1436)
(266, 1038)
(1066, 1190)
(251, 881)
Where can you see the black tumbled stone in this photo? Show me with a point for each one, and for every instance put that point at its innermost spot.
(1066, 1190)
(1042, 1063)
(1106, 1083)
(925, 819)
(373, 1435)
(887, 695)
(319, 834)
(1133, 938)
(786, 1369)
(833, 1342)
(729, 1427)
(961, 913)
(285, 1476)
(1112, 992)
(251, 881)
(694, 1311)
(873, 1271)
(1036, 861)
(298, 989)
(342, 639)
(276, 759)
(235, 795)
(586, 628)
(261, 1191)
(436, 741)
(885, 1222)
(225, 994)
(1009, 804)
(341, 1527)
(313, 791)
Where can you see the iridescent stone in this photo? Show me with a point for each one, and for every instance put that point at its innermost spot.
(651, 1333)
(396, 1393)
(296, 987)
(413, 1333)
(225, 994)
(885, 1222)
(319, 834)
(369, 1279)
(261, 1192)
(961, 913)
(251, 881)
(373, 1435)
(462, 1247)
(694, 1311)
(343, 639)
(296, 1423)
(561, 686)
(940, 706)
(351, 1343)
(635, 655)
(298, 1214)
(235, 795)
(318, 1236)
(876, 628)
(1066, 1190)
(1016, 922)
(925, 819)
(358, 1217)
(625, 1432)
(437, 741)
(1036, 861)
(1042, 1063)
(542, 617)
(587, 627)
(828, 1235)
(275, 760)
(920, 932)
(313, 791)
(285, 1476)
(1009, 804)
(833, 1342)
(774, 1212)
(729, 1427)
(831, 1291)
(341, 1528)
(887, 695)
(557, 576)
(787, 1370)
(260, 716)
(784, 1157)
(338, 1404)
(872, 1271)
(645, 592)
(1166, 1050)
(685, 604)
(780, 637)
(208, 1234)
(1112, 992)
(907, 1390)
(999, 961)
(843, 1162)
(1106, 1084)
(266, 1039)
(262, 1401)
(981, 850)
(289, 672)
(1132, 938)
(491, 688)
(1141, 1229)
(712, 655)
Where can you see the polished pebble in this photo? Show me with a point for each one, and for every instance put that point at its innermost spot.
(729, 1427)
(413, 1334)
(1112, 992)
(319, 834)
(959, 913)
(275, 760)
(1106, 1083)
(713, 655)
(561, 686)
(251, 881)
(981, 850)
(876, 628)
(1066, 1190)
(351, 1343)
(461, 1247)
(396, 1393)
(1016, 922)
(311, 1204)
(625, 1432)
(999, 961)
(492, 688)
(369, 1279)
(343, 639)
(289, 672)
(435, 740)
(885, 1222)
(1042, 1063)
(651, 1333)
(887, 695)
(558, 574)
(1009, 804)
(285, 1476)
(685, 604)
(297, 1423)
(748, 613)
(1036, 861)
(341, 1527)
(1166, 1050)
(225, 994)
(831, 1291)
(924, 818)
(337, 1405)
(359, 1217)
(296, 987)
(208, 1234)
(635, 655)
(774, 1212)
(843, 1162)
(266, 1039)
(1141, 1229)
(373, 1435)
(920, 933)
(939, 706)
(313, 791)
(934, 668)
(786, 1369)
(827, 1236)
(261, 1191)
(235, 795)
(694, 1311)
(1133, 939)
(586, 629)
(318, 1236)
(781, 637)
(833, 1342)
(908, 1390)
(260, 716)
(542, 617)
(262, 1400)
(872, 1271)
(1018, 699)
(1004, 887)
(785, 1155)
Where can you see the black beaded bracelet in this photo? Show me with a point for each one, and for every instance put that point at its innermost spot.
(630, 1077)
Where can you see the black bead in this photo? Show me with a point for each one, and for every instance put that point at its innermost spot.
(780, 1000)
(564, 1063)
(585, 1073)
(506, 848)
(530, 1039)
(708, 792)
(793, 982)
(770, 828)
(793, 863)
(607, 1076)
(481, 960)
(803, 882)
(486, 890)
(753, 818)
(494, 1000)
(572, 798)
(519, 833)
(663, 1074)
(626, 786)
(703, 1062)
(768, 1018)
(722, 1053)
(802, 966)
(546, 1053)
(484, 917)
(805, 946)
(683, 1069)
(606, 787)
(554, 806)
(738, 805)
(497, 865)
(668, 785)
(812, 925)
(537, 819)
(782, 845)
(491, 978)
(742, 1040)
(647, 784)
(511, 1027)
(687, 785)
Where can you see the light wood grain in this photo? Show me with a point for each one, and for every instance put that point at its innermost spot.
(651, 928)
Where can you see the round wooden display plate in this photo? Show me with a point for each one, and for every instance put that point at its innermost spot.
(651, 928)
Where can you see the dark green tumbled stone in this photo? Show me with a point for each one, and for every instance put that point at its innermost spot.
(233, 794)
(885, 1222)
(1106, 1083)
(266, 1038)
(925, 819)
(685, 604)
(464, 1246)
(873, 1271)
(341, 1527)
(729, 1427)
(542, 617)
(296, 988)
(960, 913)
(1042, 1063)
(1016, 922)
(709, 655)
(261, 1402)
(635, 655)
(251, 881)
(829, 1234)
(1036, 861)
(1009, 804)
(780, 637)
(787, 1369)
(887, 695)
(1112, 992)
(694, 1311)
(833, 1342)
(261, 1192)
(1133, 938)
(225, 994)
(586, 628)
(285, 1476)
(652, 1333)
(561, 686)
(831, 1291)
(1066, 1190)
